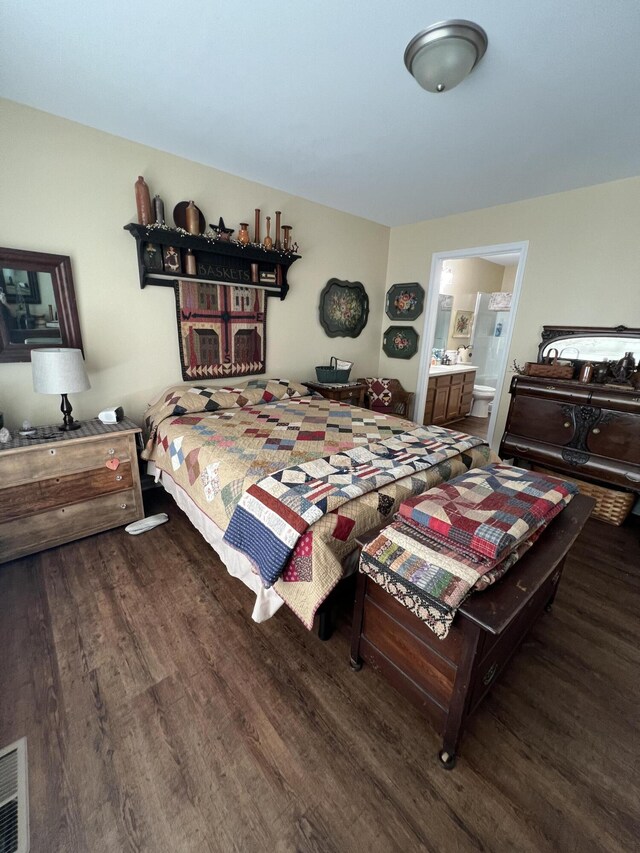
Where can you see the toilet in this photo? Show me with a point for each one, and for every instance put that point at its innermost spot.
(481, 401)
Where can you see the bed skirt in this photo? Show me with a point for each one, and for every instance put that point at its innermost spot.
(267, 601)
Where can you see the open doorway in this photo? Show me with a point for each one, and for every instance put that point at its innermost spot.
(472, 302)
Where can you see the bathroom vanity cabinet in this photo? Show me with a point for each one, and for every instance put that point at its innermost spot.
(449, 393)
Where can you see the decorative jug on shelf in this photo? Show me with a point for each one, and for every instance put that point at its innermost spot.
(243, 233)
(464, 355)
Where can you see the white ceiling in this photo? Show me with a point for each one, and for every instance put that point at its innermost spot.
(314, 98)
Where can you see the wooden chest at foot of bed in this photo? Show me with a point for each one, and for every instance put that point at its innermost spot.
(447, 678)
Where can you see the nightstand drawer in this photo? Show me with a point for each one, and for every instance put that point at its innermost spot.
(24, 536)
(32, 498)
(56, 460)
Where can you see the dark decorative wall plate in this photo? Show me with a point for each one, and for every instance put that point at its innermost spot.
(400, 342)
(344, 308)
(405, 301)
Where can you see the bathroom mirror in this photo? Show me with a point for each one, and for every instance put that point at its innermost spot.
(37, 304)
(589, 343)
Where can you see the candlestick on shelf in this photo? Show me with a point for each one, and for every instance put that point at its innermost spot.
(268, 242)
(278, 244)
(287, 237)
(256, 229)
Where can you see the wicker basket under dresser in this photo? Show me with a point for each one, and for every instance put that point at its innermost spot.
(60, 486)
(588, 431)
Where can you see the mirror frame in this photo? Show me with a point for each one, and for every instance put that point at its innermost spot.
(59, 267)
(551, 334)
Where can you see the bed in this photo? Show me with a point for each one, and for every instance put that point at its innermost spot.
(222, 451)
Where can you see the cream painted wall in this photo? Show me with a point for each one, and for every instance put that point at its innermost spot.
(68, 189)
(583, 265)
(509, 278)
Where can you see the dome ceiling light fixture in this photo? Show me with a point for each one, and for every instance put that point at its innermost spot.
(444, 54)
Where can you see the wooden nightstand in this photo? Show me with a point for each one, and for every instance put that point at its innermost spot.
(352, 393)
(57, 487)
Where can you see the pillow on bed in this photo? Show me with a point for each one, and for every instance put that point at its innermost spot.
(291, 389)
(192, 399)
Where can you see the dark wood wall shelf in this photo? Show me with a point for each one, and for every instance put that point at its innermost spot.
(217, 261)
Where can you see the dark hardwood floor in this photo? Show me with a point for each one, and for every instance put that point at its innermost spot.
(473, 426)
(159, 717)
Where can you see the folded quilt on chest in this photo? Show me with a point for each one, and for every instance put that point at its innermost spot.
(273, 514)
(487, 512)
(431, 573)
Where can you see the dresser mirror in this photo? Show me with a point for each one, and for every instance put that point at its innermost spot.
(588, 343)
(37, 304)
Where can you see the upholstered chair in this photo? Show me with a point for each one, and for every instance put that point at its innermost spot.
(388, 396)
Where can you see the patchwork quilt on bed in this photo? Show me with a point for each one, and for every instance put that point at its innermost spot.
(215, 443)
(492, 517)
(273, 514)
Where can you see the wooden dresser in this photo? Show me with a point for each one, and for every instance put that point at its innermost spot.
(61, 486)
(449, 396)
(585, 430)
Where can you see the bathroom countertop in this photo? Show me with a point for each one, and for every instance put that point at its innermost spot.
(449, 369)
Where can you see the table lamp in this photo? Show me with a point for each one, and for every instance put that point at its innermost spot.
(60, 371)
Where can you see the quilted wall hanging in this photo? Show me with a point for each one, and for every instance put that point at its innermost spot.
(221, 329)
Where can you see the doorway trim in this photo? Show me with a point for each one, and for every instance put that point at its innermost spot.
(429, 325)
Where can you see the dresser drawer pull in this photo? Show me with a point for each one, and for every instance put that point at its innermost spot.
(596, 431)
(111, 451)
(550, 387)
(118, 477)
(123, 506)
(521, 448)
(566, 424)
(490, 674)
(635, 478)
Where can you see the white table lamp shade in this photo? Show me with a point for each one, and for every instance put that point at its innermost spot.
(58, 371)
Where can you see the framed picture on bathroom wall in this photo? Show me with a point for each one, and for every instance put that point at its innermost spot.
(462, 324)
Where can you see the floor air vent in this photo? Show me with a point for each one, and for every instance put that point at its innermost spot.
(14, 805)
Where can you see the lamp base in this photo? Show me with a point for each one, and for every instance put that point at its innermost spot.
(68, 421)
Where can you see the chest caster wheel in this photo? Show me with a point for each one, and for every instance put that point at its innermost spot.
(446, 759)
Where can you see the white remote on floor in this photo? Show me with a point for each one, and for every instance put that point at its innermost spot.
(147, 523)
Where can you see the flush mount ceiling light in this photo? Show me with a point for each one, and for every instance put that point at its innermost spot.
(441, 56)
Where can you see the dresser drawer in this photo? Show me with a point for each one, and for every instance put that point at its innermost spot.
(32, 498)
(540, 419)
(59, 459)
(54, 527)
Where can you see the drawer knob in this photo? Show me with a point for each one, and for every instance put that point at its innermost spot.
(123, 506)
(635, 478)
(566, 424)
(112, 450)
(551, 387)
(118, 477)
(596, 431)
(490, 674)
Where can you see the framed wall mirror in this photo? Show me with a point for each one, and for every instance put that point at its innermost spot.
(589, 343)
(37, 304)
